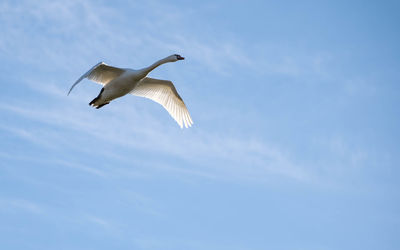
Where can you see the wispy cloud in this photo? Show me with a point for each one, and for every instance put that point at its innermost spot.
(96, 38)
(13, 205)
(210, 153)
(98, 221)
(235, 157)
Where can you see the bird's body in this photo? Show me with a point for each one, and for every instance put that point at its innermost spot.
(119, 86)
(118, 82)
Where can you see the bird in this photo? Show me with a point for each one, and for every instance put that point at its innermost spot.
(118, 82)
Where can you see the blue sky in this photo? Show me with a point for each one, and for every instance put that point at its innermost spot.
(295, 141)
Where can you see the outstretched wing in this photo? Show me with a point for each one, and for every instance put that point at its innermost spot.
(100, 73)
(164, 93)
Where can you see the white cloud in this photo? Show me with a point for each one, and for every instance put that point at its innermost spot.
(232, 157)
(99, 221)
(90, 36)
(80, 33)
(14, 204)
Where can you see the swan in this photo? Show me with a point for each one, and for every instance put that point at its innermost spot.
(118, 82)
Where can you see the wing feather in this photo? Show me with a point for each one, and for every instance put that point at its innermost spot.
(100, 73)
(164, 93)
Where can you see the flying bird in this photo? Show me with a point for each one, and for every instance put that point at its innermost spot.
(118, 82)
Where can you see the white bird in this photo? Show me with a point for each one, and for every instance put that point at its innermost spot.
(118, 82)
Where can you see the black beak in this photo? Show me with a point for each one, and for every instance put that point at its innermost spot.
(179, 57)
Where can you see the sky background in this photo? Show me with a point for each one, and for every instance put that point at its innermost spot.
(295, 143)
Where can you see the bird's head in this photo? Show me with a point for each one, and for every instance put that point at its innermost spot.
(177, 57)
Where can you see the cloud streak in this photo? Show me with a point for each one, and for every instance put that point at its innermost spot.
(210, 153)
(12, 205)
(232, 156)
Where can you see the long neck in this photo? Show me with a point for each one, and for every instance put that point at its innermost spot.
(156, 64)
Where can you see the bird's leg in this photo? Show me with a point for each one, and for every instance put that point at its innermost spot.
(101, 105)
(97, 98)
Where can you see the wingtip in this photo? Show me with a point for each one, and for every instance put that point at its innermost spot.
(187, 125)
